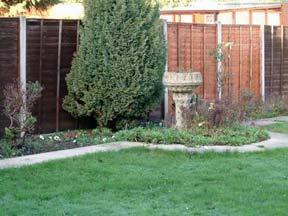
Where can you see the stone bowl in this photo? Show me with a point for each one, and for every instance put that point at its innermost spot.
(182, 82)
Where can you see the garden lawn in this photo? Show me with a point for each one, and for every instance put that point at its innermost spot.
(279, 127)
(147, 182)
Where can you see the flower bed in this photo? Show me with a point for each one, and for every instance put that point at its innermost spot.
(235, 135)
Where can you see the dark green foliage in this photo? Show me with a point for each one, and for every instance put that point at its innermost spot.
(235, 135)
(117, 72)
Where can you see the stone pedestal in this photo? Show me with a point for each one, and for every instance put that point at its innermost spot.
(182, 86)
(181, 100)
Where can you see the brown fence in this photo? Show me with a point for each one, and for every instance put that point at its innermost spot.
(190, 47)
(9, 58)
(50, 48)
(51, 44)
(276, 60)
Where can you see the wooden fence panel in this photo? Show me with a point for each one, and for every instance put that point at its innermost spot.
(9, 59)
(68, 48)
(284, 74)
(244, 65)
(50, 48)
(276, 60)
(190, 47)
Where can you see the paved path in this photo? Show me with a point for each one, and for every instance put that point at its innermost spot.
(269, 121)
(276, 141)
(56, 155)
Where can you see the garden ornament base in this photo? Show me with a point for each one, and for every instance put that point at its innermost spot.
(183, 86)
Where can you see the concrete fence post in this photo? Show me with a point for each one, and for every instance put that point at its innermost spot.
(219, 63)
(166, 96)
(58, 75)
(262, 56)
(22, 62)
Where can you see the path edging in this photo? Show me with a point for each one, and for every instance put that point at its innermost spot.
(275, 141)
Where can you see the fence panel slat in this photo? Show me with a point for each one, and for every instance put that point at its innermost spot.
(9, 60)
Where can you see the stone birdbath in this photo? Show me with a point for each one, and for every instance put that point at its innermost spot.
(182, 85)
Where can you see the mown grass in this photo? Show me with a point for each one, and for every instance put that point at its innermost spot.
(146, 182)
(279, 127)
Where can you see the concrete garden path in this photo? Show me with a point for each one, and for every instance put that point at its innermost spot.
(269, 121)
(276, 141)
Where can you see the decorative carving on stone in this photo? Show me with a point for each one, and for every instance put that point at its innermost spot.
(183, 86)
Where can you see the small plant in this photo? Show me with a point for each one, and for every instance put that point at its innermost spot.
(18, 105)
(223, 54)
(277, 103)
(216, 114)
(254, 108)
(250, 105)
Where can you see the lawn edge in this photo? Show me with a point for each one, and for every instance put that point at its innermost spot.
(275, 141)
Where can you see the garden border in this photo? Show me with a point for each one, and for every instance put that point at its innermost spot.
(275, 141)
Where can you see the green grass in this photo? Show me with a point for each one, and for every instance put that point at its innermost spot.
(279, 127)
(146, 182)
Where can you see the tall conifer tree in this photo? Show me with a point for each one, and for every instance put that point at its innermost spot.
(117, 72)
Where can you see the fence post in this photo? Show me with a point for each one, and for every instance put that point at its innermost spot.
(262, 54)
(272, 60)
(58, 74)
(219, 63)
(282, 59)
(166, 96)
(22, 66)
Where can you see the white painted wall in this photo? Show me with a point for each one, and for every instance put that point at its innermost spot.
(258, 18)
(242, 17)
(273, 19)
(186, 18)
(225, 17)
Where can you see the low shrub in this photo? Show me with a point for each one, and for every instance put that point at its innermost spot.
(277, 104)
(19, 111)
(227, 112)
(234, 135)
(6, 150)
(215, 114)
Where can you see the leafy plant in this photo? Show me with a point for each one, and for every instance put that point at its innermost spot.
(18, 105)
(277, 103)
(222, 54)
(117, 73)
(197, 136)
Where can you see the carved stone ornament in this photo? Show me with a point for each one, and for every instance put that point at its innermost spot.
(183, 86)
